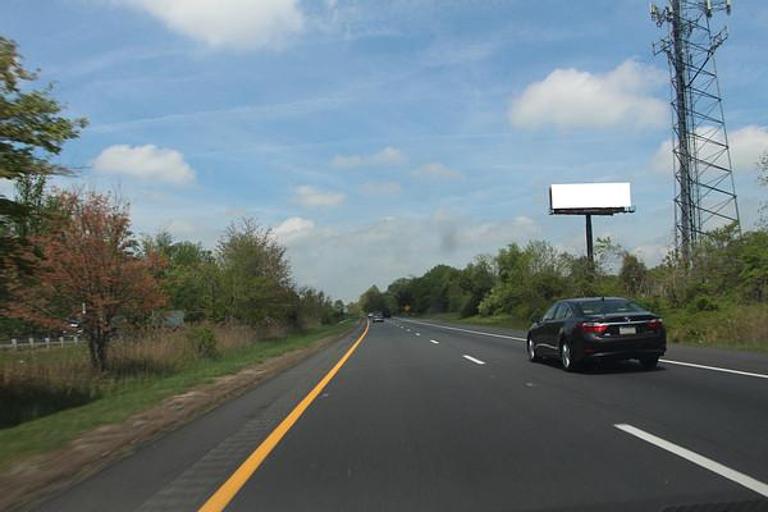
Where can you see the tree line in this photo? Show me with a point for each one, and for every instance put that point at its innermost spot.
(728, 270)
(70, 258)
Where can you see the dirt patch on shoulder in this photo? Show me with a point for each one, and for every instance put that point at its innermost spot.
(35, 478)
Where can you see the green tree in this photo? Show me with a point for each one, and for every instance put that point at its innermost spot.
(190, 276)
(753, 266)
(255, 276)
(32, 131)
(401, 290)
(633, 275)
(529, 280)
(314, 307)
(437, 291)
(762, 179)
(372, 300)
(476, 280)
(339, 308)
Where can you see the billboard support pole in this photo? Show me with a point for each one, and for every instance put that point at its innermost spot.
(590, 247)
(590, 199)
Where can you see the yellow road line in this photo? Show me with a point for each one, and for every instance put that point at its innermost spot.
(221, 498)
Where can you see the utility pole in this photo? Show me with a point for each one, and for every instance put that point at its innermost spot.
(705, 195)
(685, 202)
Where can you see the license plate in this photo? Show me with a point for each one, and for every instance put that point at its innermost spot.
(627, 330)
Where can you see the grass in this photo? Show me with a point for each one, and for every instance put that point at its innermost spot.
(506, 321)
(730, 326)
(116, 396)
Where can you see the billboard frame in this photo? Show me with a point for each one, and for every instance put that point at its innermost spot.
(588, 212)
(593, 210)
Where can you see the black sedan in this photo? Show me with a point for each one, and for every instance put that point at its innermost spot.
(597, 328)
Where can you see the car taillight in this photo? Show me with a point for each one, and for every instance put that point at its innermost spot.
(593, 327)
(656, 324)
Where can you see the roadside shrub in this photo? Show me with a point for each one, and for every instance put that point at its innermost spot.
(469, 307)
(704, 303)
(736, 325)
(203, 342)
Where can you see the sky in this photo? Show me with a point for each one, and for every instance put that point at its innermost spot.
(380, 138)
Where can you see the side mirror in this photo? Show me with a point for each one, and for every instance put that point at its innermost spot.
(536, 320)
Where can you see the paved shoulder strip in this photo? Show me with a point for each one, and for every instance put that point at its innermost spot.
(706, 463)
(491, 334)
(221, 498)
(715, 369)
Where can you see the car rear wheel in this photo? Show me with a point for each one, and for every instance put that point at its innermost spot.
(532, 356)
(649, 363)
(566, 356)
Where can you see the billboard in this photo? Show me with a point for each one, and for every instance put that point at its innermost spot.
(590, 198)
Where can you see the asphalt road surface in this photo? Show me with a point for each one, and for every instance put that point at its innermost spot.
(435, 418)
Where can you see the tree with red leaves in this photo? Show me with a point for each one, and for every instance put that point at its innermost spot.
(86, 266)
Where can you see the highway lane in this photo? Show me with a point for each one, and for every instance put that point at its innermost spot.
(427, 418)
(179, 470)
(413, 425)
(719, 413)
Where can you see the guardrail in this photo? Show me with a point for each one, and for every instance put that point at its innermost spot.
(33, 342)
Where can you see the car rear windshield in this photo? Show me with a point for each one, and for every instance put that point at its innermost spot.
(608, 307)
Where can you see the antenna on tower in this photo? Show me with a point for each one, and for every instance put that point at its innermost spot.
(705, 195)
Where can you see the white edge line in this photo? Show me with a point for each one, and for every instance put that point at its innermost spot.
(470, 358)
(668, 361)
(418, 334)
(706, 463)
(715, 368)
(435, 342)
(494, 335)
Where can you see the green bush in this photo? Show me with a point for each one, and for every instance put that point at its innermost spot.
(739, 326)
(203, 342)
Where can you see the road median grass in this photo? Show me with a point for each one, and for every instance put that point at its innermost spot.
(731, 327)
(504, 321)
(114, 397)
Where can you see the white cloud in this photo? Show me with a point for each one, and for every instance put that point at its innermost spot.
(377, 188)
(6, 188)
(292, 228)
(344, 261)
(311, 197)
(228, 23)
(146, 163)
(388, 156)
(662, 160)
(437, 170)
(652, 253)
(571, 98)
(747, 144)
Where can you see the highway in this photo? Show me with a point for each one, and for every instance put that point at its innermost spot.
(417, 416)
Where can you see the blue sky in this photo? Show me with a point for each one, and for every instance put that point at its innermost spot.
(380, 138)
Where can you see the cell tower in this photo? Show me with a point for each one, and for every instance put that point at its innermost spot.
(705, 195)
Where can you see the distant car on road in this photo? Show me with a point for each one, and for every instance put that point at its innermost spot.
(378, 317)
(596, 329)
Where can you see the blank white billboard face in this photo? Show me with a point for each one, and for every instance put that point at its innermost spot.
(590, 196)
